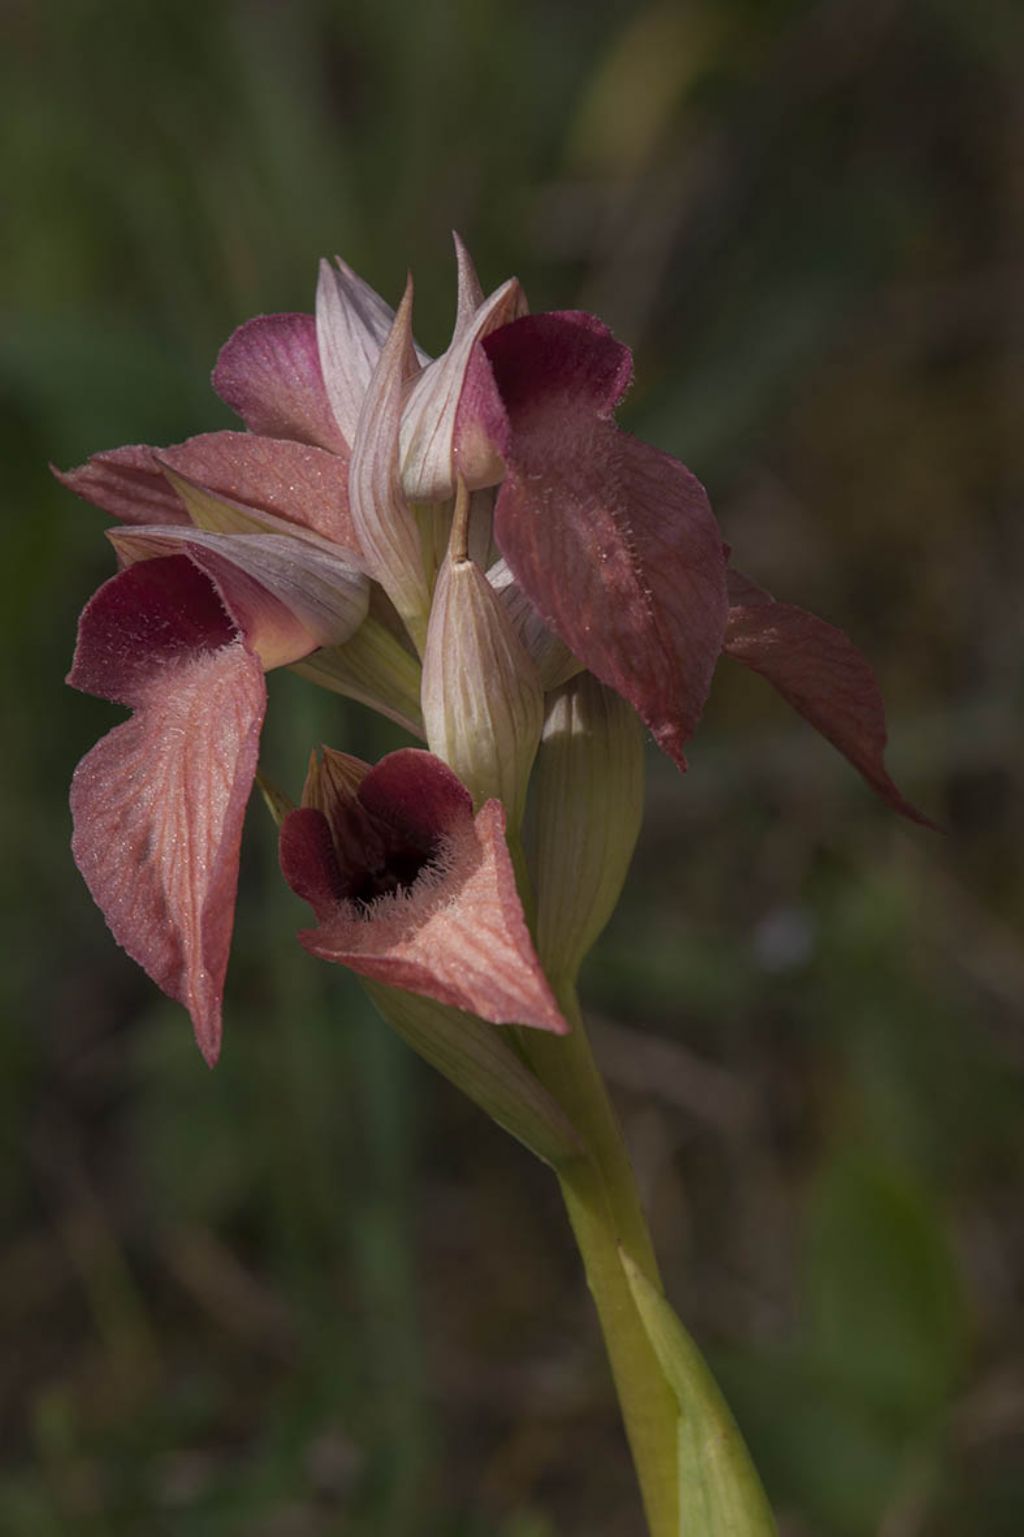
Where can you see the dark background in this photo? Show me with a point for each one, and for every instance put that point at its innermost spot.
(315, 1292)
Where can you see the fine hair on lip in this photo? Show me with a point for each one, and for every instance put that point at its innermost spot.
(406, 873)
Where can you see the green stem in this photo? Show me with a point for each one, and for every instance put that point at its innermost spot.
(604, 1209)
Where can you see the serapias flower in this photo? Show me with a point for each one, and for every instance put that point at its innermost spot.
(410, 888)
(317, 539)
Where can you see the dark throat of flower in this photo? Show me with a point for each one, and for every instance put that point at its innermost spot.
(378, 859)
(396, 870)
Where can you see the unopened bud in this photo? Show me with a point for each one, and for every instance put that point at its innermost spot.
(481, 697)
(589, 805)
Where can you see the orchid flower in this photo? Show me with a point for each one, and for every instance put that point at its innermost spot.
(412, 889)
(472, 546)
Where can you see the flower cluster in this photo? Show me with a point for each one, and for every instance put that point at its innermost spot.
(470, 545)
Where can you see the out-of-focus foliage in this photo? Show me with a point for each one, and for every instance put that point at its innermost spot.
(314, 1291)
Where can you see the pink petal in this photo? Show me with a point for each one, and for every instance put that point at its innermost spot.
(385, 527)
(613, 542)
(306, 486)
(819, 671)
(269, 372)
(428, 442)
(456, 933)
(127, 483)
(352, 325)
(158, 804)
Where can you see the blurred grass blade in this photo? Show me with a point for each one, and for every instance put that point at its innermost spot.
(720, 1494)
(477, 1059)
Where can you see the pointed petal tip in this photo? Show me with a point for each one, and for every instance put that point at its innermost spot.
(898, 802)
(208, 1039)
(817, 670)
(555, 1023)
(670, 739)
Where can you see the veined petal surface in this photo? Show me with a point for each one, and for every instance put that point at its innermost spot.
(352, 325)
(385, 527)
(306, 486)
(127, 483)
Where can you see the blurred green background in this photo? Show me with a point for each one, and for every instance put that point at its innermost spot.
(314, 1292)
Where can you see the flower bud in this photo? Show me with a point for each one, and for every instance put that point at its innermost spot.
(481, 696)
(589, 805)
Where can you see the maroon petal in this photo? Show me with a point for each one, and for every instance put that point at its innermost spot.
(269, 372)
(306, 486)
(417, 793)
(613, 542)
(287, 596)
(308, 859)
(819, 671)
(158, 804)
(456, 931)
(144, 621)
